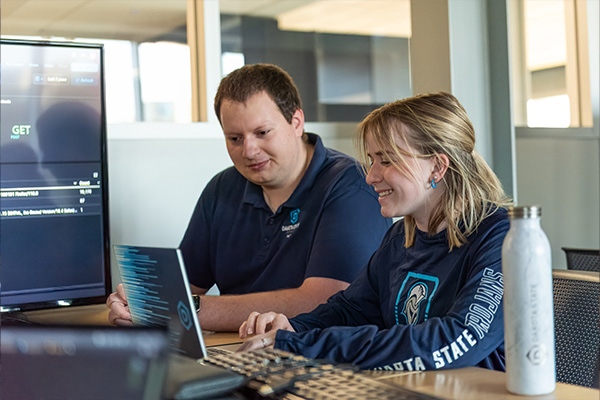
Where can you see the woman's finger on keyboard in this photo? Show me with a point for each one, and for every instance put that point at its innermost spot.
(281, 322)
(247, 327)
(258, 342)
(264, 321)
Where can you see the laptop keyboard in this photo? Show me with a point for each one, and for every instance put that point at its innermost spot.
(273, 371)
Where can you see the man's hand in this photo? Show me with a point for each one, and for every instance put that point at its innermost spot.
(119, 310)
(257, 324)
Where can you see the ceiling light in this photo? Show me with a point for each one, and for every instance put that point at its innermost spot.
(358, 17)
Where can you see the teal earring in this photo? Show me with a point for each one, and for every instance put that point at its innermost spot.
(433, 184)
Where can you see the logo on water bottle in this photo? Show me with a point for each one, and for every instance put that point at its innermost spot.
(537, 355)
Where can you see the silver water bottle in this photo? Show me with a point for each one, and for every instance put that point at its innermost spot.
(528, 305)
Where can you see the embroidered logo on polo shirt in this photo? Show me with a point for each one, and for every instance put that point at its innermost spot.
(414, 298)
(294, 215)
(294, 224)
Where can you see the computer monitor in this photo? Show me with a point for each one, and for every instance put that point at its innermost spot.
(54, 236)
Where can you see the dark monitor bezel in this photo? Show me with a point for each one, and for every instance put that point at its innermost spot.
(82, 301)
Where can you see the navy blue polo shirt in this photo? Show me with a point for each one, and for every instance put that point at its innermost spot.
(329, 227)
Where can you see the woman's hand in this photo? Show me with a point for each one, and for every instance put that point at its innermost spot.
(259, 342)
(257, 324)
(119, 310)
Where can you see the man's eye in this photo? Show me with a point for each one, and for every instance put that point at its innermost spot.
(233, 138)
(262, 133)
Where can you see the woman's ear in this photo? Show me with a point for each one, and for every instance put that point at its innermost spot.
(440, 166)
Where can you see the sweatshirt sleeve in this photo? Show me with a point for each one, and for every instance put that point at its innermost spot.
(470, 332)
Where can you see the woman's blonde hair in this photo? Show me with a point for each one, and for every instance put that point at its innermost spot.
(434, 124)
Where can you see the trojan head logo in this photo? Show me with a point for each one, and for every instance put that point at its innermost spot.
(414, 298)
(411, 306)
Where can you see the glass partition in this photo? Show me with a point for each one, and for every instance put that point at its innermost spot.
(346, 62)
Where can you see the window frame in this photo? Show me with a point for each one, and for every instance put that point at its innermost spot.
(577, 71)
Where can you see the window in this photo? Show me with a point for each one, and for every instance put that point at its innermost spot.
(148, 72)
(552, 71)
(346, 57)
(165, 81)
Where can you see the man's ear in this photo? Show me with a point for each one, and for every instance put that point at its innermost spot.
(298, 122)
(440, 166)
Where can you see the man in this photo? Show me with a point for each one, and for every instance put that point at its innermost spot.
(289, 225)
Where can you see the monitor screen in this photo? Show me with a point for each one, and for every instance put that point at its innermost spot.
(54, 244)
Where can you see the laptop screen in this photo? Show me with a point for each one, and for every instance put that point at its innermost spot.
(158, 294)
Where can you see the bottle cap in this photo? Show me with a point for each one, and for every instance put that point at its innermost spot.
(525, 212)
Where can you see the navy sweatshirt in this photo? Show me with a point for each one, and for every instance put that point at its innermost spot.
(417, 308)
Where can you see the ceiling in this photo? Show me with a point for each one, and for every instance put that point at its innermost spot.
(107, 19)
(139, 20)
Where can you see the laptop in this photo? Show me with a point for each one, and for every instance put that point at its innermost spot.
(158, 294)
(83, 362)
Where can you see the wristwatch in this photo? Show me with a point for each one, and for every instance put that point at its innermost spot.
(197, 302)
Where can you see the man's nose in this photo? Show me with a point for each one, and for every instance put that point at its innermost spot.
(251, 148)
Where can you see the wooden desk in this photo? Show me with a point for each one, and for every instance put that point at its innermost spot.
(478, 383)
(220, 338)
(457, 384)
(97, 314)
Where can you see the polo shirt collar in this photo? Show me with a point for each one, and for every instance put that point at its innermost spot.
(253, 193)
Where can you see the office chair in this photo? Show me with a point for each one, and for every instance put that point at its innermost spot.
(582, 259)
(577, 326)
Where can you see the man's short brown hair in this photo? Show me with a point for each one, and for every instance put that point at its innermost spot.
(249, 80)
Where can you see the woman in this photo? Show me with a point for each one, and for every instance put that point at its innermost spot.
(431, 295)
